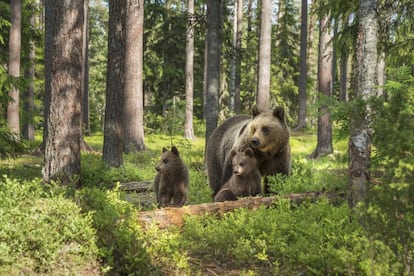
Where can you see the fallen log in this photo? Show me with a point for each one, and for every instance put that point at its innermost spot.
(139, 187)
(170, 216)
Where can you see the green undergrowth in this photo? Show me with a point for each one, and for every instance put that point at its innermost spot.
(48, 229)
(42, 231)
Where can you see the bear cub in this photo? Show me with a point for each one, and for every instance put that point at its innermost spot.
(171, 181)
(246, 179)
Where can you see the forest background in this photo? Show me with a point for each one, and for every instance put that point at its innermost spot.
(317, 99)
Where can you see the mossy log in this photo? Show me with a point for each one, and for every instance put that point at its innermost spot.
(169, 216)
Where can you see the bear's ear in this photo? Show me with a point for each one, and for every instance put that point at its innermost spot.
(249, 152)
(255, 111)
(164, 149)
(279, 112)
(175, 151)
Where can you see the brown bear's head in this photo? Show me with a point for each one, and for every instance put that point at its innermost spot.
(268, 131)
(243, 161)
(168, 159)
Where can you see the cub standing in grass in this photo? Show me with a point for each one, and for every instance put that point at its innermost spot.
(245, 181)
(171, 181)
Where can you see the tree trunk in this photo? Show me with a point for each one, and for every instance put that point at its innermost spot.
(133, 113)
(232, 65)
(214, 11)
(324, 142)
(238, 50)
(265, 45)
(113, 140)
(189, 68)
(29, 105)
(167, 217)
(359, 146)
(63, 118)
(85, 73)
(343, 76)
(15, 41)
(205, 76)
(381, 73)
(302, 66)
(235, 63)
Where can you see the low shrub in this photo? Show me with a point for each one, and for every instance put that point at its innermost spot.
(315, 238)
(43, 232)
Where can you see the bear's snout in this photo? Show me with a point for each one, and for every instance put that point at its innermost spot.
(255, 142)
(236, 170)
(157, 168)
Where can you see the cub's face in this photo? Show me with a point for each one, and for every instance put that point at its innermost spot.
(266, 132)
(167, 161)
(243, 162)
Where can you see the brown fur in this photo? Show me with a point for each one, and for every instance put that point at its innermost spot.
(171, 181)
(245, 181)
(266, 133)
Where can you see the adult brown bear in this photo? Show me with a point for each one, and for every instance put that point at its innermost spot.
(266, 132)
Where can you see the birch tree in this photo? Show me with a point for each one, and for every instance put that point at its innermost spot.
(359, 146)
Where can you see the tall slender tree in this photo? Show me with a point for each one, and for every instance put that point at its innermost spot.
(303, 74)
(324, 141)
(235, 74)
(133, 109)
(214, 14)
(265, 45)
(359, 146)
(113, 140)
(189, 73)
(239, 29)
(63, 133)
(15, 41)
(85, 72)
(29, 105)
(343, 68)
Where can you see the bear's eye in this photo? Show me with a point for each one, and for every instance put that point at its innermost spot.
(165, 160)
(241, 164)
(265, 130)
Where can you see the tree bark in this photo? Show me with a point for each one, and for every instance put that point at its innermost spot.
(29, 105)
(133, 112)
(381, 73)
(303, 74)
(265, 45)
(214, 11)
(324, 141)
(343, 76)
(235, 63)
(85, 73)
(189, 68)
(15, 41)
(239, 30)
(167, 217)
(63, 117)
(113, 140)
(359, 146)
